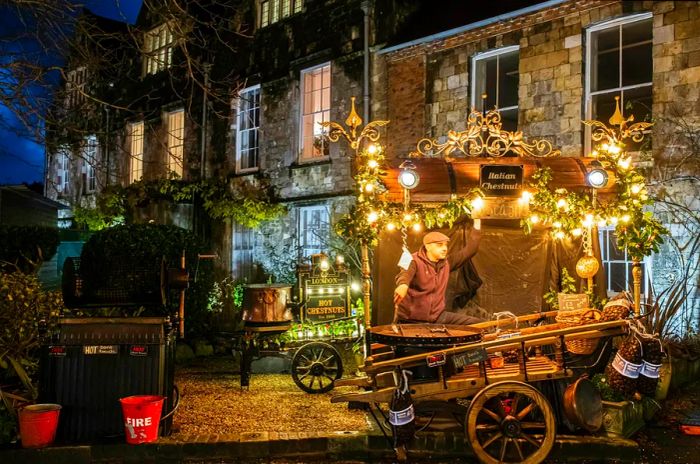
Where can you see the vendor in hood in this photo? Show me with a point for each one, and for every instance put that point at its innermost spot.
(420, 286)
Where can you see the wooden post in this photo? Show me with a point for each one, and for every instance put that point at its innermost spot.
(637, 279)
(366, 293)
(181, 309)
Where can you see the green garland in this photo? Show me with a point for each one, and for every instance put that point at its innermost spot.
(373, 213)
(568, 213)
(247, 203)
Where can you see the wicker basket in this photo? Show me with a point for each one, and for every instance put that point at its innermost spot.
(576, 318)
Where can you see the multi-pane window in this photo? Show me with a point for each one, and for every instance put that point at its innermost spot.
(495, 83)
(617, 264)
(89, 160)
(619, 64)
(135, 131)
(272, 11)
(75, 87)
(315, 108)
(158, 45)
(62, 170)
(242, 259)
(313, 229)
(176, 141)
(247, 128)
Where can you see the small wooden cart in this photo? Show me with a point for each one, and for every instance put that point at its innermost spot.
(508, 418)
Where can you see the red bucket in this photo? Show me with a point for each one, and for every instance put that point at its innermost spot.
(141, 417)
(37, 424)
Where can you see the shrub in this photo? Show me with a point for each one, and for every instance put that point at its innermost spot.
(23, 304)
(25, 247)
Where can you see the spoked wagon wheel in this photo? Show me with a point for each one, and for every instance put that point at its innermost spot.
(316, 366)
(510, 422)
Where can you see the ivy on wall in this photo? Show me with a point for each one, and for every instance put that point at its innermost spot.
(240, 200)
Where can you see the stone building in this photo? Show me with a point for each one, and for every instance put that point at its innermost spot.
(288, 64)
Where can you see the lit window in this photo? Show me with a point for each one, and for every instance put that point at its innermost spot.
(315, 108)
(617, 264)
(271, 11)
(619, 64)
(62, 170)
(247, 128)
(176, 141)
(135, 151)
(158, 45)
(89, 158)
(496, 76)
(313, 229)
(242, 259)
(75, 87)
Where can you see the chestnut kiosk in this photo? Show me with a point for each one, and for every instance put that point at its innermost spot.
(511, 369)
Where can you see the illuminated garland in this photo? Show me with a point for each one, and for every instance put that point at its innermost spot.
(570, 213)
(372, 212)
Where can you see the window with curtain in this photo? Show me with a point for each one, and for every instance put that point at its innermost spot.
(315, 108)
(313, 229)
(176, 142)
(247, 129)
(158, 46)
(89, 160)
(242, 250)
(272, 11)
(135, 131)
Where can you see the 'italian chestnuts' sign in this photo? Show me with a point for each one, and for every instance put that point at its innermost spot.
(501, 180)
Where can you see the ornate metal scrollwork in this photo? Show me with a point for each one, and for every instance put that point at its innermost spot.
(353, 121)
(600, 132)
(483, 137)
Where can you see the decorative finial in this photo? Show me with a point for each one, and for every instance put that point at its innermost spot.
(354, 120)
(617, 119)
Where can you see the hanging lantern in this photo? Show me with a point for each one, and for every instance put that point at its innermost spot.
(587, 266)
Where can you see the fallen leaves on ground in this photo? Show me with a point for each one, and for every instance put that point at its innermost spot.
(212, 402)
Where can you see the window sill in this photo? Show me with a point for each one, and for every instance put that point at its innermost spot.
(246, 172)
(321, 160)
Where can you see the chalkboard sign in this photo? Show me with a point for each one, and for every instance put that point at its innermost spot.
(326, 296)
(501, 180)
(572, 301)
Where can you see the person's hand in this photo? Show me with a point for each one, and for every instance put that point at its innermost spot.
(400, 293)
(477, 224)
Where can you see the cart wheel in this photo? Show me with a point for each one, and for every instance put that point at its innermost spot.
(316, 366)
(510, 422)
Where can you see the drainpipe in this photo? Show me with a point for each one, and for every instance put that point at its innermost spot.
(202, 165)
(365, 84)
(107, 180)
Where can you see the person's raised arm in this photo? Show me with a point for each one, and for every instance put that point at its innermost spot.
(403, 281)
(459, 258)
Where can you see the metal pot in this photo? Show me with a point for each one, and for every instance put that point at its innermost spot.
(583, 405)
(266, 303)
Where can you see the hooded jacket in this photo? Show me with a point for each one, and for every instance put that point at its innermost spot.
(427, 281)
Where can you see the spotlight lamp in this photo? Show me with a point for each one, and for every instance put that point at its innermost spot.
(408, 177)
(597, 177)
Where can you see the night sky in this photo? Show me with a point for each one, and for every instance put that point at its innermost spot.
(21, 159)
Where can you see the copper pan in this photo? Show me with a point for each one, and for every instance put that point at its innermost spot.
(583, 405)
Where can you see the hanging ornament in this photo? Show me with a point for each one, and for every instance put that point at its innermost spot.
(587, 267)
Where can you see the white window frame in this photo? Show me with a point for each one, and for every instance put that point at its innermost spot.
(273, 11)
(303, 234)
(76, 80)
(605, 261)
(158, 46)
(588, 95)
(89, 160)
(497, 52)
(136, 149)
(302, 157)
(239, 138)
(175, 142)
(242, 260)
(62, 170)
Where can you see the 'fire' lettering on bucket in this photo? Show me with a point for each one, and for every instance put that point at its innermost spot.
(140, 422)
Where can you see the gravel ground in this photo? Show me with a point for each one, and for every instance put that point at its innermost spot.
(212, 402)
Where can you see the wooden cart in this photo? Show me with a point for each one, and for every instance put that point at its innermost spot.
(508, 418)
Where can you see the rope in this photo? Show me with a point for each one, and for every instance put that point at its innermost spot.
(501, 314)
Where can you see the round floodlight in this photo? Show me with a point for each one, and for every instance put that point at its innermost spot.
(408, 178)
(597, 178)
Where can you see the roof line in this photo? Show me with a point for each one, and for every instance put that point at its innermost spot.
(471, 26)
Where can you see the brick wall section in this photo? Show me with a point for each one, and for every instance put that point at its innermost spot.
(406, 104)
